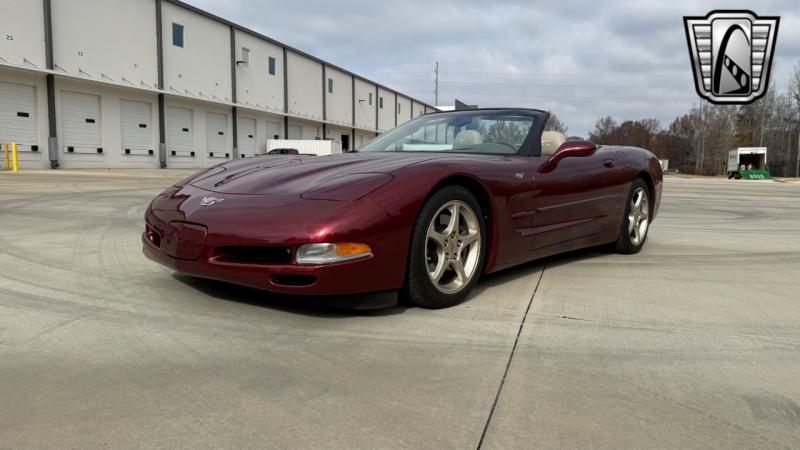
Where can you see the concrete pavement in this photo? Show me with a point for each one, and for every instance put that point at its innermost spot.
(692, 343)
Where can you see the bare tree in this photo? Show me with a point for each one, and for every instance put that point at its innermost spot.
(603, 129)
(555, 124)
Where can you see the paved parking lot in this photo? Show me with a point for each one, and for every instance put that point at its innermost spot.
(695, 342)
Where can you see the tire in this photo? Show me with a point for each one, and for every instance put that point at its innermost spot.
(438, 248)
(631, 238)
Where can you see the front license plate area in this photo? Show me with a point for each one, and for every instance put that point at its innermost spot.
(184, 240)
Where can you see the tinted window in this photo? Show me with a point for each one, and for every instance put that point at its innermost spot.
(177, 35)
(271, 65)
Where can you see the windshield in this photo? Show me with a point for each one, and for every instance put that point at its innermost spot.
(479, 131)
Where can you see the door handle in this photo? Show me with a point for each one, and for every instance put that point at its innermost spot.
(609, 163)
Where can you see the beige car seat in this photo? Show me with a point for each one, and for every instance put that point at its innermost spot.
(551, 140)
(468, 137)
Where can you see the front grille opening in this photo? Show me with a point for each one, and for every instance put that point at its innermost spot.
(294, 280)
(152, 235)
(255, 255)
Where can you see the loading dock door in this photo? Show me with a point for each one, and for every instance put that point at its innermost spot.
(247, 137)
(18, 114)
(137, 130)
(295, 132)
(80, 115)
(180, 133)
(273, 130)
(216, 135)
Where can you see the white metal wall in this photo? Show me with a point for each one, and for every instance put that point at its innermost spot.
(254, 84)
(339, 104)
(386, 114)
(22, 33)
(403, 109)
(365, 113)
(418, 109)
(111, 41)
(305, 87)
(202, 67)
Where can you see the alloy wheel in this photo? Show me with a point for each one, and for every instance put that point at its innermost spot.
(453, 246)
(638, 216)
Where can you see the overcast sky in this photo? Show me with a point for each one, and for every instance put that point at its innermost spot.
(582, 60)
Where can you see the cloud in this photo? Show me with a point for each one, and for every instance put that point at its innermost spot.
(580, 59)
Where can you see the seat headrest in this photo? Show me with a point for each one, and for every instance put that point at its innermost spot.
(468, 137)
(551, 140)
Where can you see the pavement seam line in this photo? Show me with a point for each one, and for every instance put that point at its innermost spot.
(510, 358)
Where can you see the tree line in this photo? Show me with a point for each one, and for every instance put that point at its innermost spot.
(698, 141)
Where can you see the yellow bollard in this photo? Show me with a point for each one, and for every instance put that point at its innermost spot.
(14, 161)
(6, 160)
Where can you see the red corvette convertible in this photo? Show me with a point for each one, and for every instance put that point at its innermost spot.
(421, 210)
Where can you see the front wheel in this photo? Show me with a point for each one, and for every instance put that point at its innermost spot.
(636, 221)
(447, 250)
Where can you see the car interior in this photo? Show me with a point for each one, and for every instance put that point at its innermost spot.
(551, 140)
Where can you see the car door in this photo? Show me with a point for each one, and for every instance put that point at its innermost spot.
(575, 203)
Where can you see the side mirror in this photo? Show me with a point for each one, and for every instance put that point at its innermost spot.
(568, 149)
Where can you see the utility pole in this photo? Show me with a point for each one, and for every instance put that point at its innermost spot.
(436, 85)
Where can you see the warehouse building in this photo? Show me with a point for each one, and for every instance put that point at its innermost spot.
(159, 83)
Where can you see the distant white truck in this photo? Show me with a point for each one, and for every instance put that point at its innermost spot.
(748, 163)
(317, 147)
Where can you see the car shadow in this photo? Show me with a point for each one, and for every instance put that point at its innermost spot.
(327, 307)
(340, 307)
(532, 267)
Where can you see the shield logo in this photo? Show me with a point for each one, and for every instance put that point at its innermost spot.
(731, 53)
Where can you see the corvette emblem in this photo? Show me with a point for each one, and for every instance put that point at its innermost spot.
(208, 201)
(731, 53)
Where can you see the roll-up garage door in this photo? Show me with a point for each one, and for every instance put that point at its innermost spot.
(216, 135)
(295, 132)
(80, 115)
(273, 130)
(180, 133)
(18, 115)
(137, 131)
(247, 137)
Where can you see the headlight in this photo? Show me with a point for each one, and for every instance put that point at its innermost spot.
(326, 253)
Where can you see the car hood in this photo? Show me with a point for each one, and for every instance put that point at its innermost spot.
(294, 175)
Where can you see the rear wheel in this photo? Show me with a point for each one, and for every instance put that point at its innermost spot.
(636, 222)
(447, 249)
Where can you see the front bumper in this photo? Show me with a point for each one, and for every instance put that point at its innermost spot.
(189, 240)
(349, 277)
